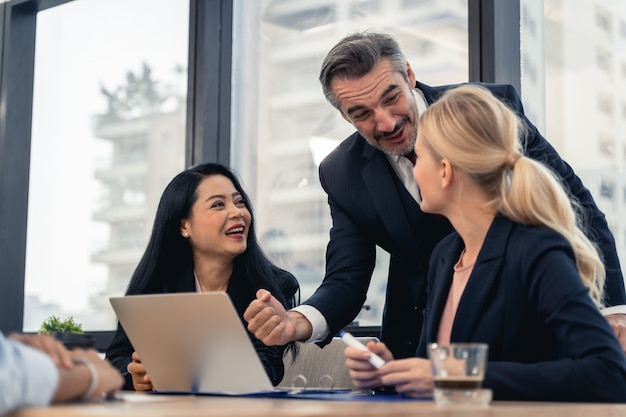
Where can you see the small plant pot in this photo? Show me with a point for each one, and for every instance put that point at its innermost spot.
(75, 340)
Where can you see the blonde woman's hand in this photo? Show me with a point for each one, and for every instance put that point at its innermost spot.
(618, 324)
(412, 377)
(363, 374)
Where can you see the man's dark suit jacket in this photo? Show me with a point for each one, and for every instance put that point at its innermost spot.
(241, 294)
(370, 206)
(524, 298)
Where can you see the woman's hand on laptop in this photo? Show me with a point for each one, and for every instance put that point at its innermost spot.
(141, 380)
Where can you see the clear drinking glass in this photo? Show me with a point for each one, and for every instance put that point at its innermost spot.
(459, 370)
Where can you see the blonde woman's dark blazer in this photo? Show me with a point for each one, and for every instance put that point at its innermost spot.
(525, 299)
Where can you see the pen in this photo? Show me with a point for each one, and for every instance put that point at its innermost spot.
(349, 340)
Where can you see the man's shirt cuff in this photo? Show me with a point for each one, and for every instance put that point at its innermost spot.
(318, 322)
(619, 309)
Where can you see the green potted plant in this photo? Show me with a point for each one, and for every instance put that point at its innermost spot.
(67, 331)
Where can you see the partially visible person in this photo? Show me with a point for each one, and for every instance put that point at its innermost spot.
(518, 273)
(374, 201)
(37, 370)
(203, 239)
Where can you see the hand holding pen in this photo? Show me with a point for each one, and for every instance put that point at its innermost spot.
(364, 370)
(350, 340)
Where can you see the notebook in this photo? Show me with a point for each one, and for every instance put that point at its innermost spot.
(192, 342)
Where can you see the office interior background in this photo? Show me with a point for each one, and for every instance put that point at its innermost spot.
(102, 102)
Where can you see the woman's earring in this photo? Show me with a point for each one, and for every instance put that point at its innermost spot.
(186, 234)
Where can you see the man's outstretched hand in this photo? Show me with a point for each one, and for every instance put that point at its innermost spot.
(272, 324)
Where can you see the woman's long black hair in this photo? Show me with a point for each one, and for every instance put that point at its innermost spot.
(168, 252)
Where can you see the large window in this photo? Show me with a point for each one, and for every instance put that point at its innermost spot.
(283, 127)
(581, 87)
(71, 233)
(108, 133)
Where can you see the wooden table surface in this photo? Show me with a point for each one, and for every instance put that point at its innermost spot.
(138, 405)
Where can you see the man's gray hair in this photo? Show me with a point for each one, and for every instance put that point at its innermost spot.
(356, 55)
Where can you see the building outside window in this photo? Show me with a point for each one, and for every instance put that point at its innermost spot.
(283, 126)
(108, 133)
(581, 82)
(102, 154)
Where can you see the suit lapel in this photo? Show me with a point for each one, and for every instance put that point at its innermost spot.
(387, 201)
(482, 281)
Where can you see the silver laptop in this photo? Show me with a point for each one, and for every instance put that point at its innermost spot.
(192, 342)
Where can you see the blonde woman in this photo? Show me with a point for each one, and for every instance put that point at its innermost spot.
(518, 273)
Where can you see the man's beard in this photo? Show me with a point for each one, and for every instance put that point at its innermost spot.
(400, 152)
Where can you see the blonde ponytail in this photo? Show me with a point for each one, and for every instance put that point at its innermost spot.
(535, 196)
(479, 135)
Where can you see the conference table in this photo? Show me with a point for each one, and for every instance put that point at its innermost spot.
(142, 405)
